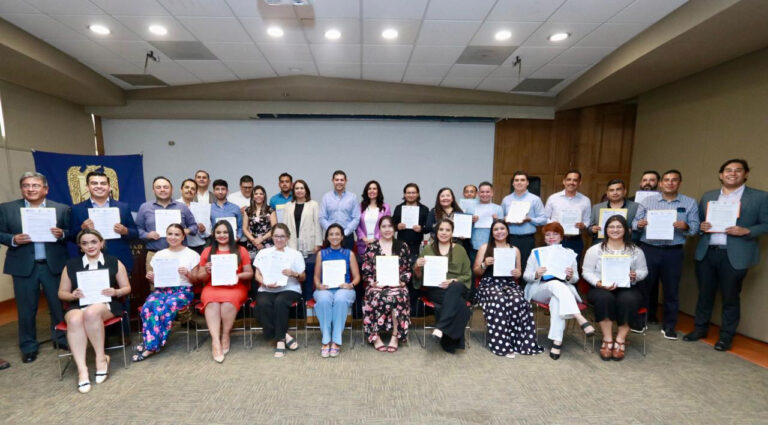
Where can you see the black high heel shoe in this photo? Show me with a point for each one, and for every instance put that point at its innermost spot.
(555, 356)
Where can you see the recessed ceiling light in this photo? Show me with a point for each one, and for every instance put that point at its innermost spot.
(559, 36)
(333, 34)
(158, 30)
(99, 29)
(275, 32)
(389, 34)
(503, 35)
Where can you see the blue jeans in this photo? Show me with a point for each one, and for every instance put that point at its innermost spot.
(331, 309)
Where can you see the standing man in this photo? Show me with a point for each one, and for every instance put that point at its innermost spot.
(285, 182)
(570, 200)
(722, 259)
(340, 206)
(242, 198)
(203, 180)
(522, 234)
(616, 194)
(665, 257)
(648, 181)
(470, 191)
(145, 219)
(34, 264)
(223, 208)
(480, 234)
(196, 242)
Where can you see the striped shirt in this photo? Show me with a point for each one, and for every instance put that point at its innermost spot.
(687, 211)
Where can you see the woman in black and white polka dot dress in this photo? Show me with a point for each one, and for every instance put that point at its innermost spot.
(507, 313)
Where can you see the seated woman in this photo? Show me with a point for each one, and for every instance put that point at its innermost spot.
(258, 221)
(332, 304)
(372, 209)
(222, 302)
(160, 308)
(507, 313)
(612, 303)
(386, 308)
(561, 296)
(86, 322)
(453, 293)
(274, 297)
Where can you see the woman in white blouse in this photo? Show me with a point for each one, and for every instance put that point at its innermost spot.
(372, 209)
(611, 301)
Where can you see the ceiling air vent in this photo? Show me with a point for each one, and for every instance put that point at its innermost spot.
(140, 80)
(540, 85)
(485, 55)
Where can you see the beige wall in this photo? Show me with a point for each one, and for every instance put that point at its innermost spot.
(694, 125)
(35, 121)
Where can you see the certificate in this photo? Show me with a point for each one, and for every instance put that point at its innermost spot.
(467, 204)
(660, 225)
(104, 220)
(202, 213)
(435, 270)
(645, 194)
(334, 273)
(388, 270)
(484, 213)
(37, 223)
(92, 282)
(164, 218)
(722, 215)
(615, 270)
(568, 219)
(605, 214)
(409, 215)
(223, 269)
(271, 267)
(279, 210)
(462, 225)
(166, 272)
(231, 220)
(556, 259)
(504, 261)
(517, 211)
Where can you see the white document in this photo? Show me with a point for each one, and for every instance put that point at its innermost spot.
(484, 213)
(334, 273)
(232, 222)
(223, 269)
(517, 211)
(467, 204)
(722, 215)
(92, 282)
(605, 214)
(556, 259)
(568, 219)
(504, 261)
(435, 270)
(37, 223)
(645, 194)
(279, 211)
(388, 270)
(271, 267)
(104, 220)
(202, 213)
(615, 270)
(164, 218)
(166, 272)
(462, 225)
(660, 224)
(409, 215)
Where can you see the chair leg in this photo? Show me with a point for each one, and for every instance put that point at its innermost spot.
(122, 336)
(424, 325)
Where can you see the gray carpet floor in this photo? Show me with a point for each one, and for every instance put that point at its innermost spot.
(676, 383)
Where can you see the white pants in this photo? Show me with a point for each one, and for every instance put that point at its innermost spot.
(562, 305)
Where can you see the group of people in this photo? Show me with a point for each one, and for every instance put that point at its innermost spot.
(341, 235)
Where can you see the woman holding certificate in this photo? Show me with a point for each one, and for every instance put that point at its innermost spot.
(372, 209)
(613, 267)
(410, 218)
(226, 268)
(386, 270)
(551, 272)
(91, 284)
(258, 221)
(446, 283)
(336, 275)
(279, 271)
(446, 207)
(173, 273)
(507, 312)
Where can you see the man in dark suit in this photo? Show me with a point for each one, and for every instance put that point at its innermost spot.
(723, 258)
(34, 264)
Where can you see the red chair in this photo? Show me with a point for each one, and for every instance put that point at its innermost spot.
(252, 328)
(109, 322)
(309, 308)
(544, 306)
(427, 303)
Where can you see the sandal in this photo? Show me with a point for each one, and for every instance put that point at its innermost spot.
(335, 351)
(324, 352)
(392, 348)
(512, 355)
(586, 325)
(606, 350)
(291, 344)
(381, 347)
(138, 354)
(618, 351)
(557, 347)
(279, 353)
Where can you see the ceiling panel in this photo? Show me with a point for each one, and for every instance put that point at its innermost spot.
(286, 52)
(382, 53)
(407, 31)
(391, 72)
(436, 54)
(210, 8)
(80, 23)
(246, 52)
(43, 26)
(436, 71)
(394, 9)
(339, 70)
(582, 55)
(345, 9)
(559, 71)
(118, 66)
(131, 7)
(293, 33)
(474, 10)
(260, 9)
(577, 31)
(65, 7)
(465, 70)
(524, 10)
(647, 11)
(461, 82)
(216, 29)
(534, 56)
(588, 10)
(289, 68)
(497, 84)
(208, 71)
(611, 35)
(133, 51)
(246, 70)
(347, 53)
(486, 35)
(349, 28)
(84, 49)
(140, 25)
(16, 6)
(447, 32)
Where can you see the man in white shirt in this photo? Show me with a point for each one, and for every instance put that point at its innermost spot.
(242, 198)
(569, 200)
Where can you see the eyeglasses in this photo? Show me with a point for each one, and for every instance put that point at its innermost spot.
(31, 186)
(278, 236)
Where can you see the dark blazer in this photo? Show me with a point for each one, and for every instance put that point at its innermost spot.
(120, 248)
(743, 251)
(20, 260)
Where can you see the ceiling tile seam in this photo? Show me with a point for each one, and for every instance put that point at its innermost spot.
(309, 46)
(256, 45)
(485, 19)
(175, 18)
(415, 39)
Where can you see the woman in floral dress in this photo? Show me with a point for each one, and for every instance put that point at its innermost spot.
(258, 221)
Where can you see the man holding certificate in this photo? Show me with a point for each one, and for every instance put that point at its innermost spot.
(665, 222)
(223, 209)
(523, 212)
(733, 219)
(616, 204)
(35, 231)
(483, 213)
(572, 210)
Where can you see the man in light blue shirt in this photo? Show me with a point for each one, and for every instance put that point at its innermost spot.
(522, 234)
(340, 206)
(222, 208)
(285, 182)
(485, 207)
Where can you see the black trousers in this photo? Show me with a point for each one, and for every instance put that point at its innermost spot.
(451, 313)
(525, 243)
(619, 305)
(665, 263)
(26, 290)
(274, 311)
(715, 272)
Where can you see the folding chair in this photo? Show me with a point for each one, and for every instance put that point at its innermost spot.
(63, 353)
(309, 308)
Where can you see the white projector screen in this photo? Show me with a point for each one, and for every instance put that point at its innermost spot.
(431, 154)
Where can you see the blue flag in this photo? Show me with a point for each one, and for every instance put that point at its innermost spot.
(66, 176)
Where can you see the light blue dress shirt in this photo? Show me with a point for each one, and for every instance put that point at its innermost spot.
(481, 235)
(687, 211)
(343, 210)
(536, 213)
